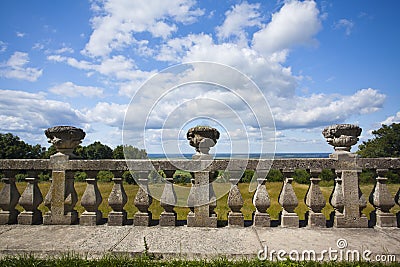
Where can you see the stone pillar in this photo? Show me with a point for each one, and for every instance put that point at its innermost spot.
(9, 197)
(143, 201)
(353, 201)
(30, 201)
(62, 196)
(315, 201)
(262, 202)
(383, 201)
(168, 201)
(397, 200)
(117, 201)
(91, 200)
(289, 202)
(235, 202)
(201, 202)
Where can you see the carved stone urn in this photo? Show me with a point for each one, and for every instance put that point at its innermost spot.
(65, 138)
(342, 136)
(202, 138)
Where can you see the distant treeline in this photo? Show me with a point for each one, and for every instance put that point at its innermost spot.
(12, 147)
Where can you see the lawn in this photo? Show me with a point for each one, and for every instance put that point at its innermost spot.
(222, 207)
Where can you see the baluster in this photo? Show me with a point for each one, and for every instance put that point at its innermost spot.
(168, 201)
(30, 201)
(337, 199)
(288, 201)
(235, 201)
(262, 202)
(117, 200)
(9, 197)
(143, 201)
(91, 200)
(383, 201)
(315, 201)
(47, 202)
(71, 198)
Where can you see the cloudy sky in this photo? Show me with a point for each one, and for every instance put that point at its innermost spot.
(316, 63)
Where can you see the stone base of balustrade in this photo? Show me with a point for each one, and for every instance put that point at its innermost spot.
(8, 217)
(235, 219)
(117, 218)
(261, 219)
(30, 217)
(91, 218)
(167, 219)
(200, 221)
(289, 219)
(142, 218)
(385, 219)
(316, 220)
(340, 221)
(67, 219)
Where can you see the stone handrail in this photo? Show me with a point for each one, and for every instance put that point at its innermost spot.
(346, 198)
(62, 197)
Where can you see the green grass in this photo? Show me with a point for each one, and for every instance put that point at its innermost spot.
(222, 209)
(110, 261)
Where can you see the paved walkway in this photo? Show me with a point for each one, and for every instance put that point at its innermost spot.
(184, 242)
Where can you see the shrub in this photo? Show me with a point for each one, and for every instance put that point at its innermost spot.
(327, 175)
(274, 176)
(105, 176)
(80, 176)
(44, 176)
(367, 177)
(247, 176)
(182, 177)
(301, 176)
(20, 177)
(128, 177)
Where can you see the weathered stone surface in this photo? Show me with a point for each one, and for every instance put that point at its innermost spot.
(383, 201)
(30, 201)
(289, 202)
(168, 201)
(352, 199)
(117, 201)
(261, 202)
(65, 138)
(9, 197)
(235, 203)
(202, 138)
(315, 201)
(143, 201)
(342, 136)
(201, 216)
(91, 200)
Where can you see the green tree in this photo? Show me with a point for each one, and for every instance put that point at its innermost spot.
(97, 151)
(14, 148)
(301, 176)
(386, 143)
(131, 152)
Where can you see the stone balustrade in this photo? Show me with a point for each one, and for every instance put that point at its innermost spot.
(346, 198)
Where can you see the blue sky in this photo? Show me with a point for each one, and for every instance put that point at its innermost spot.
(81, 62)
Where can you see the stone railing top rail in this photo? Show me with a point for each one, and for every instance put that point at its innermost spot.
(207, 165)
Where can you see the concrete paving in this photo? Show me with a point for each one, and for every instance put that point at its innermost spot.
(187, 242)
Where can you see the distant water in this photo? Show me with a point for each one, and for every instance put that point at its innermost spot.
(238, 156)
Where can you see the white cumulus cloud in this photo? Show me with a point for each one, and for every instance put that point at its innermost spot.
(70, 89)
(296, 23)
(15, 68)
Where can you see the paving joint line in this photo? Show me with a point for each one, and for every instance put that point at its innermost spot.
(119, 241)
